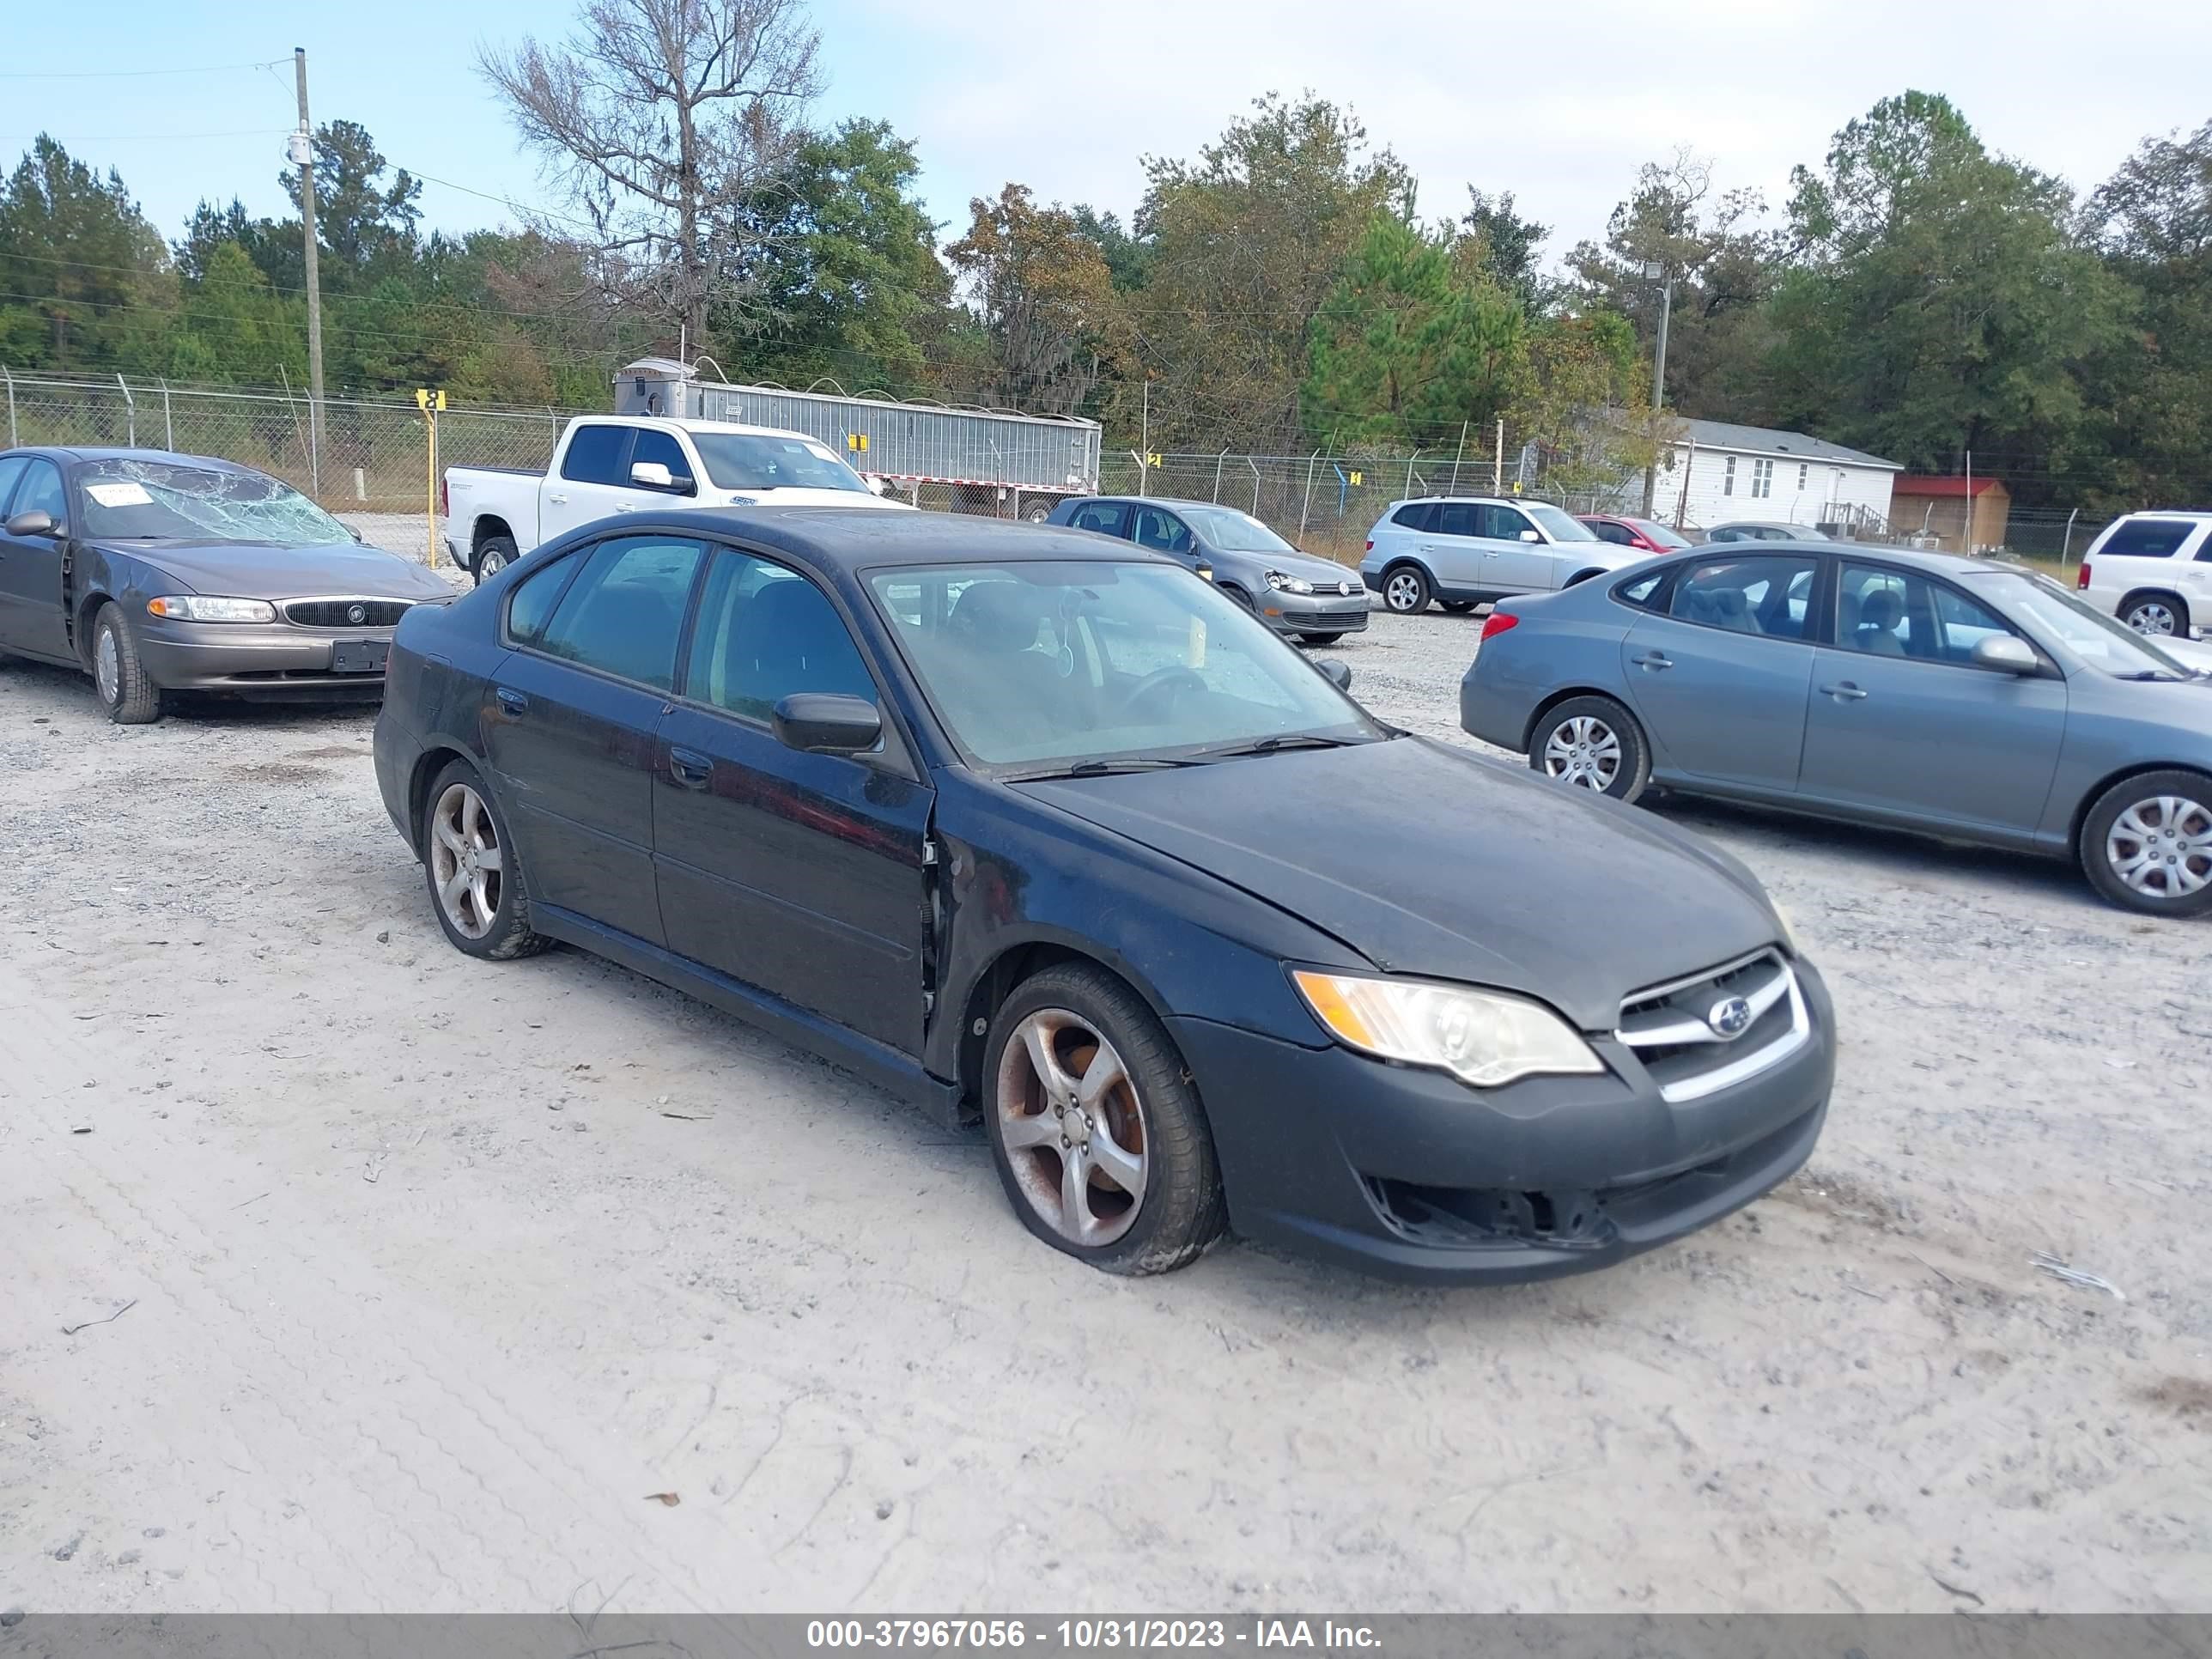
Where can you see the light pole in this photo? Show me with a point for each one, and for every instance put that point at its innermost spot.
(1658, 378)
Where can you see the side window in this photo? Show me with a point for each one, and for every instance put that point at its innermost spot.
(10, 469)
(595, 455)
(1758, 594)
(625, 612)
(2204, 547)
(1162, 531)
(1642, 591)
(1502, 523)
(1457, 519)
(661, 447)
(1415, 516)
(2138, 538)
(1961, 624)
(42, 492)
(1891, 613)
(1105, 518)
(764, 633)
(533, 601)
(1606, 531)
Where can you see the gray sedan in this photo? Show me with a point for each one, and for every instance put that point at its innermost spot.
(1974, 700)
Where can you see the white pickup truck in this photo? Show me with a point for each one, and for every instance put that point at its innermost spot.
(606, 465)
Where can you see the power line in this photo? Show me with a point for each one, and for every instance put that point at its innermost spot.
(129, 138)
(129, 75)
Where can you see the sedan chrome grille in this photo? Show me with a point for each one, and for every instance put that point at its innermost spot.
(345, 613)
(1714, 1030)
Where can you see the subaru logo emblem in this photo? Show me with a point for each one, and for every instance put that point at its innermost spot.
(356, 614)
(1730, 1018)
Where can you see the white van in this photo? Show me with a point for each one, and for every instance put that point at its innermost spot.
(2153, 571)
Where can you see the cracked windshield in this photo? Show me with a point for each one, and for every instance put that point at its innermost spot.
(152, 501)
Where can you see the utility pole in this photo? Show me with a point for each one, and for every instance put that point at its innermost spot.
(1658, 384)
(303, 152)
(1966, 534)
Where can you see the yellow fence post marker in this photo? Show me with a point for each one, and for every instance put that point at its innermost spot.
(431, 403)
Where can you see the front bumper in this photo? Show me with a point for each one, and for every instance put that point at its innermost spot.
(1410, 1174)
(1315, 613)
(261, 660)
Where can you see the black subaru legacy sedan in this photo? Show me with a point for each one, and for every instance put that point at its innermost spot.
(1033, 827)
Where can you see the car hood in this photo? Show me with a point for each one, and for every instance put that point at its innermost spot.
(1431, 861)
(245, 571)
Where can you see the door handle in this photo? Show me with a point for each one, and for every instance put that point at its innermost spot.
(513, 703)
(558, 501)
(1653, 661)
(690, 768)
(1842, 691)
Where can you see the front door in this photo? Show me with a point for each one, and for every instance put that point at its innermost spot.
(31, 618)
(1510, 564)
(799, 874)
(1901, 722)
(1158, 531)
(1721, 679)
(593, 481)
(570, 719)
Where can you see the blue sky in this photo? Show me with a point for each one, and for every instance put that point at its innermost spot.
(1065, 97)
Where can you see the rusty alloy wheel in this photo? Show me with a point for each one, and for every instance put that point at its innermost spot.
(1073, 1126)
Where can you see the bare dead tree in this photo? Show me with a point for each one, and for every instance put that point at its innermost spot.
(658, 117)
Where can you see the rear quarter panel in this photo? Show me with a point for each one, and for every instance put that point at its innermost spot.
(1559, 646)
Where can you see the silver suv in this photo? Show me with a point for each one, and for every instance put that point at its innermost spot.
(1465, 550)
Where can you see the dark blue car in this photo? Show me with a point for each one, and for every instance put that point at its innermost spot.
(1032, 827)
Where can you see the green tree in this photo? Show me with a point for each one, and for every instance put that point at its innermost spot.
(1408, 345)
(364, 225)
(1584, 406)
(1128, 257)
(85, 282)
(1944, 303)
(1497, 241)
(1248, 242)
(1043, 293)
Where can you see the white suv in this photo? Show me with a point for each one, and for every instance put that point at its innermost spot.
(1465, 551)
(2153, 571)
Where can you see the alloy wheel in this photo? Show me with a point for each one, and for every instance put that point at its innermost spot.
(2154, 618)
(2161, 847)
(1585, 752)
(466, 861)
(1073, 1126)
(1402, 592)
(107, 667)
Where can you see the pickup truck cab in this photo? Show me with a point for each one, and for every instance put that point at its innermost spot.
(606, 465)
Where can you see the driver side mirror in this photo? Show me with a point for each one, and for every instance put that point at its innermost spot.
(877, 486)
(1335, 671)
(1530, 536)
(827, 722)
(37, 521)
(2002, 654)
(652, 475)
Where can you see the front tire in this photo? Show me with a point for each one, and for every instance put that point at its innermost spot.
(1593, 743)
(1405, 590)
(493, 554)
(1099, 1135)
(1459, 607)
(475, 873)
(118, 675)
(2159, 616)
(2146, 844)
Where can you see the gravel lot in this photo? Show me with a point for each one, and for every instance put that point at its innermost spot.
(430, 1272)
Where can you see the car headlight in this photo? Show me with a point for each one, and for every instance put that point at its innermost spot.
(1788, 927)
(1283, 584)
(1481, 1037)
(194, 607)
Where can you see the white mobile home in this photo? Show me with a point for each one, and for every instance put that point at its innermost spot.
(1716, 470)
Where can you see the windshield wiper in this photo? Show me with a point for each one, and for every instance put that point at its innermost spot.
(1287, 740)
(1102, 768)
(2158, 674)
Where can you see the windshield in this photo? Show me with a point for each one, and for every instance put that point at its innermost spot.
(2110, 647)
(158, 500)
(1557, 524)
(1046, 666)
(753, 460)
(1657, 534)
(1232, 531)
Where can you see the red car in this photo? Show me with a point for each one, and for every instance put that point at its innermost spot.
(1648, 534)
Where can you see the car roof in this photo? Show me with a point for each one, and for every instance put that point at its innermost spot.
(1912, 558)
(120, 452)
(2190, 513)
(861, 537)
(1157, 501)
(1501, 501)
(678, 423)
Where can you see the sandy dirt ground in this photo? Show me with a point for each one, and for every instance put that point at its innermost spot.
(341, 1272)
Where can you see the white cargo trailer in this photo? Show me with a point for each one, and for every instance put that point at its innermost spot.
(974, 460)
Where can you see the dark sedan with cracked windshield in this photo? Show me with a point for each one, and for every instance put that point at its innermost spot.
(1036, 828)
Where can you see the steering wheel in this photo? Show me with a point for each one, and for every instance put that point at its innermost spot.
(1158, 682)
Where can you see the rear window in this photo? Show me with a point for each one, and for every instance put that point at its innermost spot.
(2148, 539)
(1414, 516)
(595, 455)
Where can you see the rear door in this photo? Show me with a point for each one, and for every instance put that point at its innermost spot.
(1901, 722)
(800, 874)
(1450, 547)
(593, 481)
(1101, 519)
(31, 567)
(1721, 678)
(571, 717)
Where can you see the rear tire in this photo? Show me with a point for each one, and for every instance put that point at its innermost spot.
(2147, 839)
(118, 675)
(1405, 590)
(1592, 742)
(1458, 607)
(1118, 1103)
(2158, 615)
(493, 554)
(474, 871)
